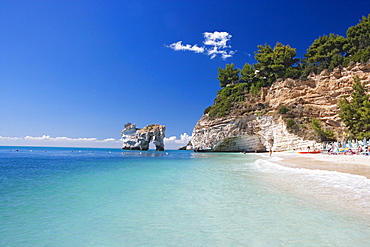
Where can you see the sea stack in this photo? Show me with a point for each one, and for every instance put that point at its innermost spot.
(139, 139)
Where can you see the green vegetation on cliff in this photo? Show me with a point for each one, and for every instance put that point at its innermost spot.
(356, 112)
(229, 75)
(226, 98)
(321, 134)
(326, 52)
(241, 88)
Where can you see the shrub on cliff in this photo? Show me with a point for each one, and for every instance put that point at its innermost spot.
(283, 110)
(292, 125)
(322, 135)
(356, 112)
(225, 99)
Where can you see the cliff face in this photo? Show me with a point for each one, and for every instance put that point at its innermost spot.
(318, 96)
(246, 133)
(139, 139)
(315, 98)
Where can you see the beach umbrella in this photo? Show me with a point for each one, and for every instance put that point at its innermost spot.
(343, 144)
(336, 146)
(349, 143)
(357, 143)
(364, 142)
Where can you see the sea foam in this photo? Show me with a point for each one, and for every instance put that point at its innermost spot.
(335, 189)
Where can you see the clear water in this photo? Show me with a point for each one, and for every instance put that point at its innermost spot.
(102, 197)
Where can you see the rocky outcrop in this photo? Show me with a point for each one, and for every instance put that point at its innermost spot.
(317, 97)
(139, 139)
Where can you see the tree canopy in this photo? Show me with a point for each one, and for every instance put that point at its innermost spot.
(272, 63)
(229, 75)
(326, 51)
(248, 74)
(358, 41)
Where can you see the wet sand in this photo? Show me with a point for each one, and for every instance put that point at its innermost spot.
(353, 164)
(348, 196)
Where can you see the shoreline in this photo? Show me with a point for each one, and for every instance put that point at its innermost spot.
(339, 183)
(352, 164)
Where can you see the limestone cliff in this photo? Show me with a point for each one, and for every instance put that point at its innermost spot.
(139, 139)
(246, 133)
(318, 96)
(262, 128)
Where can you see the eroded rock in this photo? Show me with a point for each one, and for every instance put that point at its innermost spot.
(139, 139)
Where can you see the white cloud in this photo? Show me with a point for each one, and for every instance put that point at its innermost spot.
(184, 138)
(227, 55)
(47, 140)
(44, 137)
(10, 138)
(108, 140)
(178, 46)
(214, 44)
(174, 143)
(218, 39)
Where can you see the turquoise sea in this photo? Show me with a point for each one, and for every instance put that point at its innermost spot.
(106, 197)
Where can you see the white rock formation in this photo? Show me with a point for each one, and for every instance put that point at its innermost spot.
(246, 133)
(139, 139)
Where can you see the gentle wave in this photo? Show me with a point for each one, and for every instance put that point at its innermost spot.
(333, 188)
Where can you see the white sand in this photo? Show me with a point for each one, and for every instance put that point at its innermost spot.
(353, 164)
(347, 194)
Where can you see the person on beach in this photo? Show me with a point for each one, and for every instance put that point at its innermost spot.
(270, 151)
(308, 148)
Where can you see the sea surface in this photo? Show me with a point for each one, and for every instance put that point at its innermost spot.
(106, 197)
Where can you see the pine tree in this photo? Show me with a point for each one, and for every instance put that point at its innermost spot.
(356, 113)
(326, 51)
(248, 74)
(274, 63)
(358, 41)
(229, 75)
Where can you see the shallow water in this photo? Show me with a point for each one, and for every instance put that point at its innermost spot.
(103, 197)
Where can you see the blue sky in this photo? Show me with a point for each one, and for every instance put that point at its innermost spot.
(82, 69)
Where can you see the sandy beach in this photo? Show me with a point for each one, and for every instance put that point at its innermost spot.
(353, 164)
(339, 191)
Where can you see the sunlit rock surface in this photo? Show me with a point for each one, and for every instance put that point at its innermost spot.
(139, 139)
(317, 97)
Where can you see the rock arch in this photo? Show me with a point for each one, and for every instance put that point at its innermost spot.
(139, 139)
